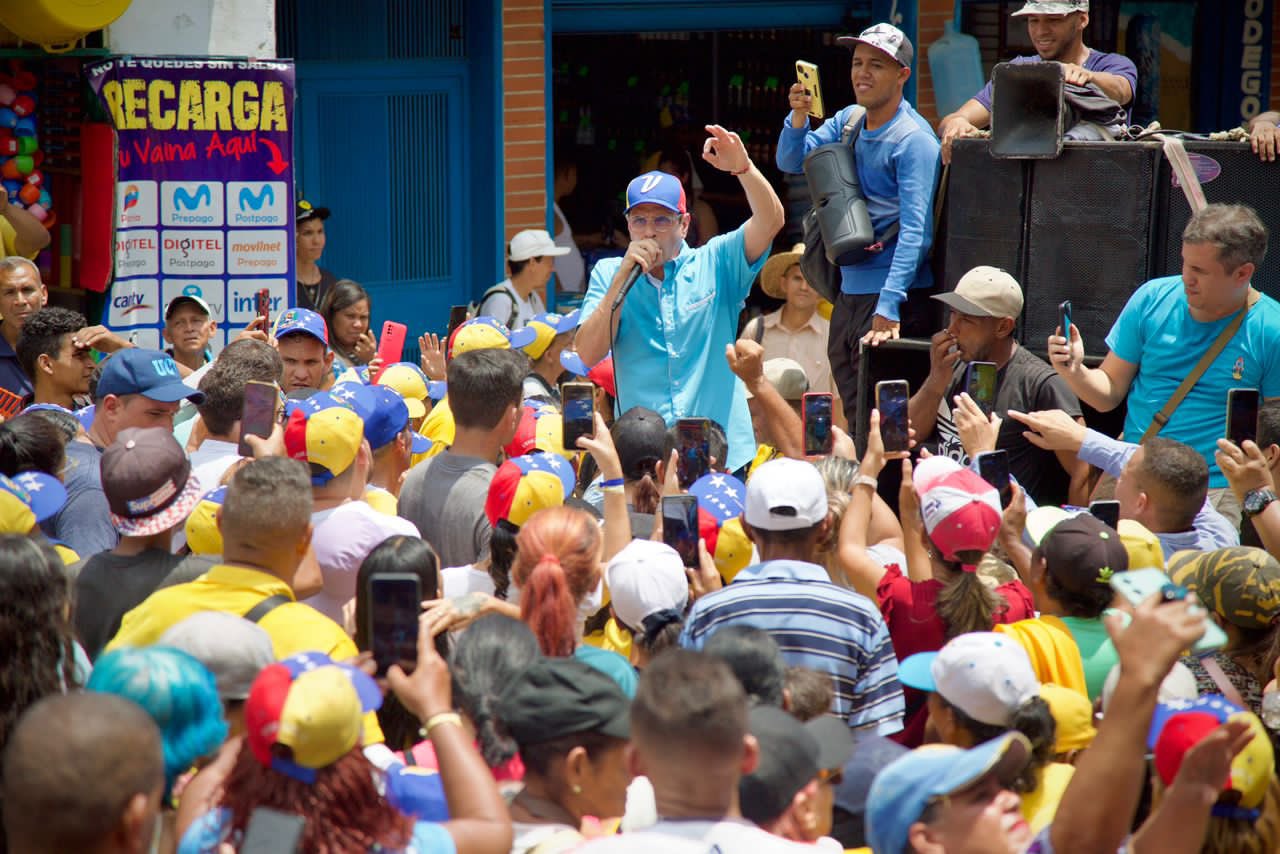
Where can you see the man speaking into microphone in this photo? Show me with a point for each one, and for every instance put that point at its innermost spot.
(679, 306)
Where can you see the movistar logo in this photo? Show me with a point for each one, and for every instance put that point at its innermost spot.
(190, 201)
(265, 196)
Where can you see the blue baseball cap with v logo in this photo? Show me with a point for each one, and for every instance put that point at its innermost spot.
(149, 373)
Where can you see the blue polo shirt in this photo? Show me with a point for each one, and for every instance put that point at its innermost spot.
(669, 352)
(11, 375)
(1156, 332)
(817, 625)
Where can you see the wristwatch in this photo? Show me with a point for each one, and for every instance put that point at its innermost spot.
(1256, 500)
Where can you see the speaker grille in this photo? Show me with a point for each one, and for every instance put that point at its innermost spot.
(1090, 237)
(1243, 179)
(983, 213)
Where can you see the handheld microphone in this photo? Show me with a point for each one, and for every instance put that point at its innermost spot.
(632, 278)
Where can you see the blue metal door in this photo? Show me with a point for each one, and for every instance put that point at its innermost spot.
(377, 145)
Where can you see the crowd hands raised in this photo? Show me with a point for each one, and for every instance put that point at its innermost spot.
(402, 613)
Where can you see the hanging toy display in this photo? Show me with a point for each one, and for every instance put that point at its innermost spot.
(20, 154)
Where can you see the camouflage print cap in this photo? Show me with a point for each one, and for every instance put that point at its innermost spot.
(1241, 584)
(1053, 7)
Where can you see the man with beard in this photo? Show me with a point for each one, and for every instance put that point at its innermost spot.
(985, 307)
(1056, 29)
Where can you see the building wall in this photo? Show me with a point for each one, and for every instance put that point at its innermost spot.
(524, 113)
(932, 15)
(196, 28)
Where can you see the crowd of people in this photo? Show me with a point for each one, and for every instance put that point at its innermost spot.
(402, 613)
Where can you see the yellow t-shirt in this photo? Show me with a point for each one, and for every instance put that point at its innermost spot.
(293, 626)
(1039, 806)
(381, 500)
(10, 239)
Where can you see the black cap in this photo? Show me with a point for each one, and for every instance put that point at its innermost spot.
(555, 697)
(1083, 552)
(640, 436)
(304, 211)
(791, 754)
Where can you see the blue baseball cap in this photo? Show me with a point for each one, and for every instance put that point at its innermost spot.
(656, 188)
(302, 320)
(904, 789)
(149, 373)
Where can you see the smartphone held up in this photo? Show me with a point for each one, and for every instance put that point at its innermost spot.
(892, 397)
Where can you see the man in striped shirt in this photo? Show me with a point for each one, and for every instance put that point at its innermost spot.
(816, 624)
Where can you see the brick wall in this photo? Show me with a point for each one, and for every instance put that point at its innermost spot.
(524, 114)
(932, 15)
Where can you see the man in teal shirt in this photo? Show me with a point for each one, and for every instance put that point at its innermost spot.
(670, 333)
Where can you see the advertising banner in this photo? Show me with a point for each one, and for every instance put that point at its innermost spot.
(204, 188)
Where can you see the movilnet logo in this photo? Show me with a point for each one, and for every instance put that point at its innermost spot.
(201, 197)
(265, 195)
(131, 196)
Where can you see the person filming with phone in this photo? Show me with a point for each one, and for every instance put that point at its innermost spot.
(896, 154)
(1181, 342)
(668, 334)
(979, 337)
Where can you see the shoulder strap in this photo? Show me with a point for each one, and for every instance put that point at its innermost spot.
(1162, 417)
(499, 289)
(266, 606)
(1219, 677)
(853, 126)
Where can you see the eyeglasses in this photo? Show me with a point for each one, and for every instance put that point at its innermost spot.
(661, 222)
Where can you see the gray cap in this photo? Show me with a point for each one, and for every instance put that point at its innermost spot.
(885, 38)
(233, 649)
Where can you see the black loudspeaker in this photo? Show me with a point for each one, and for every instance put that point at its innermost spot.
(1229, 173)
(983, 218)
(1092, 229)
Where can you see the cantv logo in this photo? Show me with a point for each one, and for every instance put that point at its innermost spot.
(130, 303)
(266, 195)
(203, 196)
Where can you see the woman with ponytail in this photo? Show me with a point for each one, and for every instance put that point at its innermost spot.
(558, 570)
(938, 595)
(981, 685)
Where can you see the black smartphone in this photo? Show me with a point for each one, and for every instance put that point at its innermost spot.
(579, 412)
(1106, 512)
(993, 466)
(891, 400)
(1242, 414)
(980, 384)
(272, 832)
(258, 416)
(680, 526)
(818, 437)
(395, 604)
(694, 446)
(457, 317)
(1064, 319)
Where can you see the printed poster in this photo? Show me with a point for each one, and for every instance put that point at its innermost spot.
(204, 188)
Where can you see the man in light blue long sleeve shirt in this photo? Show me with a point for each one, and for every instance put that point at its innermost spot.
(897, 159)
(1162, 483)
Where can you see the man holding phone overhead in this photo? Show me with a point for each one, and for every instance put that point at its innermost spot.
(896, 154)
(668, 333)
(985, 307)
(1207, 327)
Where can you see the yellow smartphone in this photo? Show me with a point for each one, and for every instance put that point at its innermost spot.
(807, 74)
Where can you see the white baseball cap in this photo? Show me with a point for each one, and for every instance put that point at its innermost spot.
(985, 292)
(645, 580)
(983, 674)
(534, 243)
(886, 38)
(785, 495)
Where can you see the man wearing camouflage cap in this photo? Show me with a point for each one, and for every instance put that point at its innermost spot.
(1056, 30)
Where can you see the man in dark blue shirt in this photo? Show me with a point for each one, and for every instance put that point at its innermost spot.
(21, 293)
(1056, 29)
